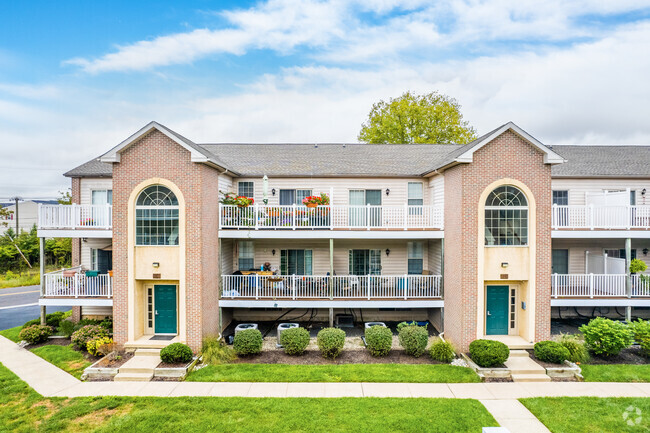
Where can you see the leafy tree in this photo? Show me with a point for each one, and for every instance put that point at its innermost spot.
(4, 216)
(65, 197)
(430, 118)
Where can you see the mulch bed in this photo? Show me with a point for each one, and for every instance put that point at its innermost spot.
(346, 357)
(630, 355)
(173, 364)
(114, 363)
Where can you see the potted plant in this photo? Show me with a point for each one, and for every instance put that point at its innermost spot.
(230, 198)
(316, 200)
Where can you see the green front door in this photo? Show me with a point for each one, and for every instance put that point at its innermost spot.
(496, 312)
(165, 309)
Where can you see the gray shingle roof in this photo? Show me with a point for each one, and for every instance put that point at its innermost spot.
(602, 161)
(92, 168)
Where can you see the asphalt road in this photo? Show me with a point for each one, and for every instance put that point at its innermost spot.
(20, 304)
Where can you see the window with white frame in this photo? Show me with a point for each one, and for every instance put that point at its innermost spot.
(246, 257)
(102, 196)
(506, 217)
(415, 257)
(94, 260)
(246, 189)
(415, 194)
(289, 197)
(561, 198)
(156, 217)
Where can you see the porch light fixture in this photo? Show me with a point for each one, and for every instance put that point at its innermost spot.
(645, 251)
(272, 191)
(643, 191)
(155, 264)
(273, 252)
(504, 264)
(387, 191)
(387, 252)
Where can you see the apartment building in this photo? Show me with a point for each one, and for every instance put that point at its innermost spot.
(488, 239)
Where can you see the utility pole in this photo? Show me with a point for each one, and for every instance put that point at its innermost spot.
(17, 199)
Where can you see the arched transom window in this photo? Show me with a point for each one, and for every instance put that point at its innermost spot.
(156, 217)
(506, 217)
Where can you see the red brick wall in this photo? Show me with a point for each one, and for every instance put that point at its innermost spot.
(76, 242)
(155, 155)
(508, 156)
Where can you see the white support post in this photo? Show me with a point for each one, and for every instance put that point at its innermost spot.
(73, 215)
(293, 286)
(75, 283)
(257, 286)
(591, 216)
(368, 285)
(591, 286)
(255, 216)
(554, 216)
(554, 286)
(406, 216)
(367, 217)
(406, 286)
(293, 219)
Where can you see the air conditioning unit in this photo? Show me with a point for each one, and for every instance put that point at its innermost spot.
(371, 324)
(243, 326)
(283, 327)
(344, 321)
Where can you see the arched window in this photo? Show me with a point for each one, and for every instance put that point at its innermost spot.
(156, 217)
(506, 217)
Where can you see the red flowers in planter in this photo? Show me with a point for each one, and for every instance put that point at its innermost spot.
(316, 200)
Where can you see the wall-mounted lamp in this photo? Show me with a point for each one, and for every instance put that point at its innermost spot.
(387, 252)
(84, 239)
(504, 264)
(643, 191)
(387, 191)
(155, 264)
(272, 191)
(645, 251)
(273, 252)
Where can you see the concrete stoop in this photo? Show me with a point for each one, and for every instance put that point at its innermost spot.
(524, 369)
(140, 368)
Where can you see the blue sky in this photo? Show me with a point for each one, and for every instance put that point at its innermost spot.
(77, 77)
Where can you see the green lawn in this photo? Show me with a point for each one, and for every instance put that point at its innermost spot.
(616, 373)
(23, 410)
(64, 357)
(417, 373)
(590, 414)
(12, 333)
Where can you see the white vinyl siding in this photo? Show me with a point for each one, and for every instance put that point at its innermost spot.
(88, 185)
(578, 188)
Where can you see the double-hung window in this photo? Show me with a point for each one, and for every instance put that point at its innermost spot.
(415, 257)
(102, 196)
(561, 198)
(415, 197)
(246, 189)
(246, 256)
(289, 197)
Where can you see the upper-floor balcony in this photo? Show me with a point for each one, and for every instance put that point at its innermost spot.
(75, 220)
(331, 217)
(594, 217)
(599, 289)
(75, 286)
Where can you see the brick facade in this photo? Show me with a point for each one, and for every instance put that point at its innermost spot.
(75, 195)
(508, 156)
(157, 156)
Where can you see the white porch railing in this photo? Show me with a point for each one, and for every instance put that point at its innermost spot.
(58, 284)
(330, 217)
(596, 286)
(331, 287)
(601, 217)
(75, 216)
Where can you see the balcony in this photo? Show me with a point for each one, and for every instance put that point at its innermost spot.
(591, 217)
(75, 220)
(331, 217)
(598, 289)
(74, 287)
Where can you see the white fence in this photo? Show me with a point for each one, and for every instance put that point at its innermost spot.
(331, 287)
(75, 216)
(330, 217)
(601, 217)
(597, 286)
(78, 285)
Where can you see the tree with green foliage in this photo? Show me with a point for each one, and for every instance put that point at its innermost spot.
(65, 197)
(5, 214)
(430, 118)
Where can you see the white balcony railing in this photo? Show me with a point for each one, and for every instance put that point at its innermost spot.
(601, 217)
(79, 285)
(331, 287)
(330, 217)
(75, 216)
(597, 286)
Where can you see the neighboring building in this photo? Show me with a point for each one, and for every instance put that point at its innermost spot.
(27, 214)
(485, 239)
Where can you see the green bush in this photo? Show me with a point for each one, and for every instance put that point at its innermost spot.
(216, 352)
(551, 351)
(107, 324)
(66, 327)
(176, 352)
(294, 340)
(606, 337)
(35, 333)
(577, 350)
(51, 320)
(330, 342)
(442, 351)
(414, 339)
(641, 332)
(248, 342)
(82, 336)
(401, 325)
(379, 340)
(488, 353)
(94, 346)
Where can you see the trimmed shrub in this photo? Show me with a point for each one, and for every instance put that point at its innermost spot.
(379, 340)
(442, 351)
(176, 352)
(66, 327)
(94, 346)
(51, 320)
(330, 342)
(216, 352)
(35, 333)
(248, 342)
(294, 340)
(606, 337)
(641, 332)
(577, 351)
(82, 336)
(551, 351)
(107, 324)
(488, 353)
(414, 339)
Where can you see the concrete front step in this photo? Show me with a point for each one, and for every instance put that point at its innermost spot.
(530, 378)
(519, 353)
(133, 377)
(140, 364)
(147, 352)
